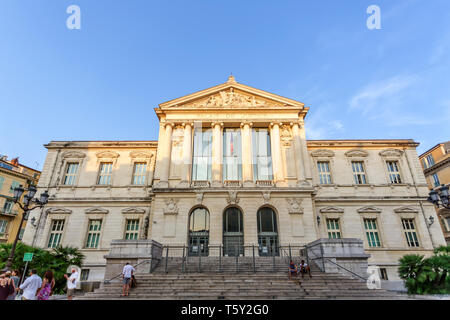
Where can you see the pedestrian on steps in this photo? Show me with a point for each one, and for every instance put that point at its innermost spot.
(127, 274)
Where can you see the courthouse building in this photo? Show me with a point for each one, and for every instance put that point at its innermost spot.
(232, 167)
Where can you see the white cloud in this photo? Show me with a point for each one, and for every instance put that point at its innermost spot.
(381, 94)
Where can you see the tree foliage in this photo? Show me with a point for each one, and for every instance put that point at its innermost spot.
(427, 275)
(57, 260)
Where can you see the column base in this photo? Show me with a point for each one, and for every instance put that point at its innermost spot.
(183, 184)
(248, 184)
(304, 183)
(217, 184)
(281, 184)
(162, 184)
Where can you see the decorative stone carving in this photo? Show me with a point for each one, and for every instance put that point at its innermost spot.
(73, 154)
(266, 196)
(230, 98)
(58, 211)
(406, 210)
(171, 207)
(357, 153)
(369, 209)
(199, 197)
(393, 153)
(178, 136)
(107, 154)
(141, 155)
(232, 197)
(134, 210)
(294, 205)
(285, 135)
(96, 210)
(332, 210)
(322, 153)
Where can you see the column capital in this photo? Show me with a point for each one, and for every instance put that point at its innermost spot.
(296, 123)
(169, 124)
(243, 123)
(184, 124)
(214, 123)
(279, 124)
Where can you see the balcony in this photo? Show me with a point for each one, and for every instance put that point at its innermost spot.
(232, 183)
(264, 183)
(200, 184)
(9, 213)
(3, 236)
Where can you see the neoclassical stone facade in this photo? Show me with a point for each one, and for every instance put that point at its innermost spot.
(232, 167)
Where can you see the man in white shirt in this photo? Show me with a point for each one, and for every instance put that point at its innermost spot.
(127, 273)
(71, 283)
(31, 285)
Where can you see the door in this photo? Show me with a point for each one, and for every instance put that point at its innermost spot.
(267, 232)
(199, 232)
(233, 232)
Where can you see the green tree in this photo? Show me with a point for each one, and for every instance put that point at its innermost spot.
(427, 275)
(57, 260)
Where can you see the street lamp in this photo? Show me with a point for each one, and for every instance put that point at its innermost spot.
(27, 200)
(440, 197)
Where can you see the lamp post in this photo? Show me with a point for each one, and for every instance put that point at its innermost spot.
(28, 199)
(440, 197)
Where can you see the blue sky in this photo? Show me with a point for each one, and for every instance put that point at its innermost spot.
(103, 81)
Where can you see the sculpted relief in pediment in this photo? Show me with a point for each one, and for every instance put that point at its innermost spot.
(231, 98)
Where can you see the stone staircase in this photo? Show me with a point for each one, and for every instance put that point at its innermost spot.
(271, 281)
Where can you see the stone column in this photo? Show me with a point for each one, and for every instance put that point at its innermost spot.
(165, 161)
(247, 168)
(277, 159)
(217, 154)
(306, 159)
(187, 156)
(299, 160)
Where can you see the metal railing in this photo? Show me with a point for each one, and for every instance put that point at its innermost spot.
(213, 258)
(120, 274)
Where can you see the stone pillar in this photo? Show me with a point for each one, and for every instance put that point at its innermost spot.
(304, 147)
(277, 159)
(247, 168)
(165, 161)
(187, 156)
(217, 154)
(299, 160)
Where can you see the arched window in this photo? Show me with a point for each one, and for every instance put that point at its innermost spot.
(267, 232)
(199, 232)
(233, 232)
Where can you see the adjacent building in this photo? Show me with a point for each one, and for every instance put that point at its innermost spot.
(436, 167)
(231, 169)
(12, 175)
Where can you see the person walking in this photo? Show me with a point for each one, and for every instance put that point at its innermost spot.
(6, 286)
(127, 274)
(71, 283)
(31, 285)
(46, 290)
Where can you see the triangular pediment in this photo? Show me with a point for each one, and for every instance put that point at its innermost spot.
(231, 95)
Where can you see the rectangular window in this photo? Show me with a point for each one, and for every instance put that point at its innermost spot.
(84, 274)
(93, 236)
(430, 160)
(410, 232)
(71, 174)
(132, 229)
(56, 231)
(334, 231)
(202, 158)
(358, 172)
(262, 154)
(324, 172)
(139, 172)
(394, 172)
(14, 184)
(3, 225)
(7, 207)
(372, 233)
(22, 231)
(232, 160)
(2, 180)
(436, 182)
(383, 274)
(104, 177)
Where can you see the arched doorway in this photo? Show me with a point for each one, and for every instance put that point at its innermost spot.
(233, 232)
(199, 232)
(267, 232)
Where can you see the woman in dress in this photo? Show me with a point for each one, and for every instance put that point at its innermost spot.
(46, 290)
(16, 279)
(6, 286)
